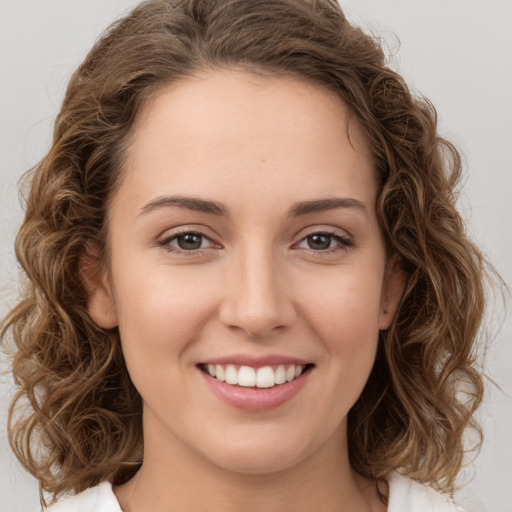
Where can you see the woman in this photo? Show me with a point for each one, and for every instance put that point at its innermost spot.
(249, 286)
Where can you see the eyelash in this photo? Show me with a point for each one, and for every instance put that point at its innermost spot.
(165, 243)
(344, 243)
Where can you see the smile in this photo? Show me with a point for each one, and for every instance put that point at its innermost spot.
(249, 377)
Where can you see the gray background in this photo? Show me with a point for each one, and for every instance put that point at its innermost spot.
(456, 52)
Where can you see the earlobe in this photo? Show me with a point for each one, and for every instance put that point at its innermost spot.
(100, 301)
(394, 284)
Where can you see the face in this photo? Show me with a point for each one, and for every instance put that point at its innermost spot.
(244, 245)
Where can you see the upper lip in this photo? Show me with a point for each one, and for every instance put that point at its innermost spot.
(256, 361)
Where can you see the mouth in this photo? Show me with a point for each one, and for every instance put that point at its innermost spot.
(264, 377)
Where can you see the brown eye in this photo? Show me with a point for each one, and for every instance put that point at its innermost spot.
(186, 242)
(189, 241)
(325, 242)
(319, 241)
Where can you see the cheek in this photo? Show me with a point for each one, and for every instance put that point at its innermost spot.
(345, 318)
(349, 302)
(159, 315)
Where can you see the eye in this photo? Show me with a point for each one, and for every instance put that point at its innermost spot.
(324, 241)
(188, 241)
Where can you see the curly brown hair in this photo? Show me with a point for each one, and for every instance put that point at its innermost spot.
(76, 417)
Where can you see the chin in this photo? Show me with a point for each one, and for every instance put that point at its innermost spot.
(260, 464)
(267, 456)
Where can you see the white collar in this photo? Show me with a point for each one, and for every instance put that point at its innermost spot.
(405, 495)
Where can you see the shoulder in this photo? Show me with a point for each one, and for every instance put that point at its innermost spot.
(406, 495)
(96, 499)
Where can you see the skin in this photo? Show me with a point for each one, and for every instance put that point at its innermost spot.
(258, 145)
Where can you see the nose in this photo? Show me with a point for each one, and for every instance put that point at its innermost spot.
(256, 298)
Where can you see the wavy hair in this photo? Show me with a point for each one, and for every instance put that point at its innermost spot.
(76, 417)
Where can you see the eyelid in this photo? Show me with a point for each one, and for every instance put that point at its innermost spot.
(169, 235)
(325, 229)
(345, 240)
(187, 228)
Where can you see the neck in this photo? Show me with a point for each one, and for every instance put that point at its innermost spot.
(173, 478)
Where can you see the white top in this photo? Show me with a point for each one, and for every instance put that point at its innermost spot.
(405, 495)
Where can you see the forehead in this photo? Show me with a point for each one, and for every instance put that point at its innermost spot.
(239, 129)
(204, 102)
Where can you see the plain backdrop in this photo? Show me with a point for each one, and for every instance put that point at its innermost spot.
(458, 53)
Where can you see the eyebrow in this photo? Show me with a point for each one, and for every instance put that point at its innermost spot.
(319, 205)
(190, 203)
(215, 208)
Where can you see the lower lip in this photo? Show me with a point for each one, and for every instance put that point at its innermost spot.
(255, 399)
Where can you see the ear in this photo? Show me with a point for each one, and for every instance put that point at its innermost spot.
(392, 290)
(100, 301)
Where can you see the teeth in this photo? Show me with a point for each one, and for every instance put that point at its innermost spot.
(219, 373)
(246, 376)
(281, 375)
(231, 374)
(265, 377)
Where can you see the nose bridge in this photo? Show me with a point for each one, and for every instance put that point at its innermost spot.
(255, 299)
